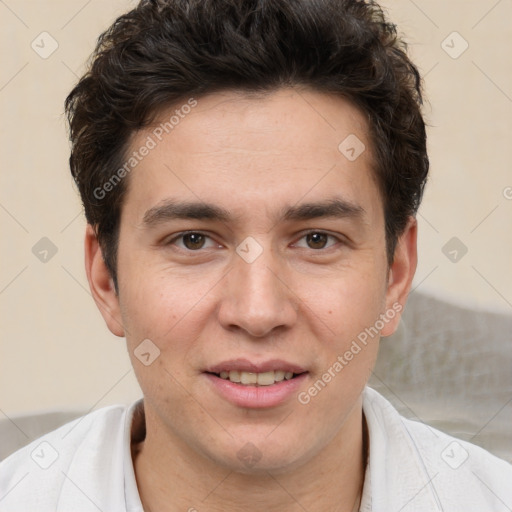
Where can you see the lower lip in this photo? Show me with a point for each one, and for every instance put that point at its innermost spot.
(256, 397)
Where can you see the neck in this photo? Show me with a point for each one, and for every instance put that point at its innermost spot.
(173, 479)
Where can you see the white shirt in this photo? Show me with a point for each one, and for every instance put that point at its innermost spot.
(86, 465)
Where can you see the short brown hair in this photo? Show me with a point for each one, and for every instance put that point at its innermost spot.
(166, 50)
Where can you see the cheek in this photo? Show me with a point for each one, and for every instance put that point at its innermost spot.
(158, 304)
(346, 316)
(345, 305)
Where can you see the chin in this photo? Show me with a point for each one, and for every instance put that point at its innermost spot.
(259, 456)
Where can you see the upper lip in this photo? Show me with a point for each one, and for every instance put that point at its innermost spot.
(244, 365)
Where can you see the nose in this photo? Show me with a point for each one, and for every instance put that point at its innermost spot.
(257, 297)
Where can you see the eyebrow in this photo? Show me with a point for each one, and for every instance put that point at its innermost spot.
(334, 208)
(170, 210)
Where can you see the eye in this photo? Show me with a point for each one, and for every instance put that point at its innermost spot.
(192, 241)
(318, 240)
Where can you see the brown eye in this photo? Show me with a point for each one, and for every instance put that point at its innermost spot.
(193, 241)
(316, 240)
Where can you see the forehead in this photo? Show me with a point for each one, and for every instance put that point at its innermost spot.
(254, 154)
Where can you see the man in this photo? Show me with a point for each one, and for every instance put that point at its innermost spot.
(250, 172)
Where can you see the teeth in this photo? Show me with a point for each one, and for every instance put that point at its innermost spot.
(266, 378)
(248, 378)
(260, 379)
(234, 376)
(279, 375)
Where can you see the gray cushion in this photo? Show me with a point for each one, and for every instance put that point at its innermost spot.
(19, 431)
(451, 367)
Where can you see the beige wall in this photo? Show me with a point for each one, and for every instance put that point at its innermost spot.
(55, 349)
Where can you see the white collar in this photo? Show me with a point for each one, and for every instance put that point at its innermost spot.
(396, 477)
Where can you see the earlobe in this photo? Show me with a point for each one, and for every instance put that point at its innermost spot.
(401, 274)
(101, 283)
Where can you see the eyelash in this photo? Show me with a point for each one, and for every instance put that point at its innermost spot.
(313, 231)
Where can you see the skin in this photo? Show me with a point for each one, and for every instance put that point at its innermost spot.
(252, 156)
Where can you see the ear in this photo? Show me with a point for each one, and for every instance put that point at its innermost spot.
(102, 284)
(401, 274)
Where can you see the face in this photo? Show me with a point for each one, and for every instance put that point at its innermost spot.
(252, 249)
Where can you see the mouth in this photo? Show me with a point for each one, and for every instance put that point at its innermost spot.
(256, 385)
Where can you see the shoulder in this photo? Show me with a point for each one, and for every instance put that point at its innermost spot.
(450, 473)
(462, 468)
(32, 478)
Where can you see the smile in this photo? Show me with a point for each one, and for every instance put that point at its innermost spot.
(256, 379)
